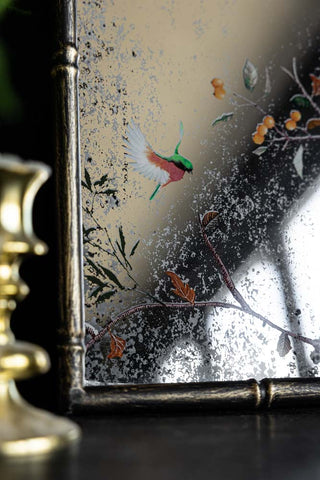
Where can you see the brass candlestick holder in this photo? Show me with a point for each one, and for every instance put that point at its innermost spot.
(24, 430)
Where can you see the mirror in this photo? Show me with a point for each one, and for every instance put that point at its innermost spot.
(199, 135)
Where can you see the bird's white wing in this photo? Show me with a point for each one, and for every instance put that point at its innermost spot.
(144, 159)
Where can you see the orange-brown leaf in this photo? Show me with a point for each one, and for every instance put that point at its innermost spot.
(313, 123)
(117, 346)
(207, 217)
(315, 85)
(182, 289)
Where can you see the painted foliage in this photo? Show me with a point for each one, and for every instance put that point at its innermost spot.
(199, 277)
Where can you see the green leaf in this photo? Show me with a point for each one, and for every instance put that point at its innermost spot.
(95, 280)
(112, 277)
(88, 230)
(94, 266)
(88, 179)
(250, 75)
(134, 248)
(119, 246)
(260, 151)
(95, 292)
(223, 118)
(105, 296)
(123, 255)
(110, 191)
(102, 180)
(122, 240)
(300, 101)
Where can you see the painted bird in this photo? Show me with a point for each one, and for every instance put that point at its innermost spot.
(163, 170)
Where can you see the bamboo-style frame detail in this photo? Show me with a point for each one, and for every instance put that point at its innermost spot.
(75, 396)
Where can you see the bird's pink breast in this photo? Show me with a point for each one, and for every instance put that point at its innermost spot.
(174, 172)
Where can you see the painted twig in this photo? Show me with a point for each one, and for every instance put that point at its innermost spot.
(151, 306)
(295, 78)
(237, 295)
(180, 305)
(244, 307)
(283, 135)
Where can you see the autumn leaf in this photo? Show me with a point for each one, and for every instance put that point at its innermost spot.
(315, 82)
(208, 217)
(117, 346)
(182, 289)
(284, 345)
(313, 123)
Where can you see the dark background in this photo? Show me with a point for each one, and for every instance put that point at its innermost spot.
(27, 36)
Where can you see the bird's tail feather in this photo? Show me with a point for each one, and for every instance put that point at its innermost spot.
(155, 192)
(180, 140)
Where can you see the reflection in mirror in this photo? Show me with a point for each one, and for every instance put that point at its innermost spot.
(183, 362)
(200, 134)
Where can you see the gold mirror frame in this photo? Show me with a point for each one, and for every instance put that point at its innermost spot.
(77, 398)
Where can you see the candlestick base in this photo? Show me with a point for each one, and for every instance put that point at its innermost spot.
(26, 430)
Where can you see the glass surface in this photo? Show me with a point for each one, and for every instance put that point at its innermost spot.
(174, 292)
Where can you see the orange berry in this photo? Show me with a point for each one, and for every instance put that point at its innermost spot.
(258, 139)
(268, 121)
(219, 93)
(290, 124)
(262, 129)
(295, 115)
(217, 82)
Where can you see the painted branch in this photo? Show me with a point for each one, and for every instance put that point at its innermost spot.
(147, 306)
(237, 295)
(225, 273)
(303, 90)
(257, 106)
(250, 102)
(296, 139)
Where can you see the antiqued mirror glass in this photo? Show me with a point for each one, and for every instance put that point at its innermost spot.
(200, 135)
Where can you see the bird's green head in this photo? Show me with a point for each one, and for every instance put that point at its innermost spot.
(182, 162)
